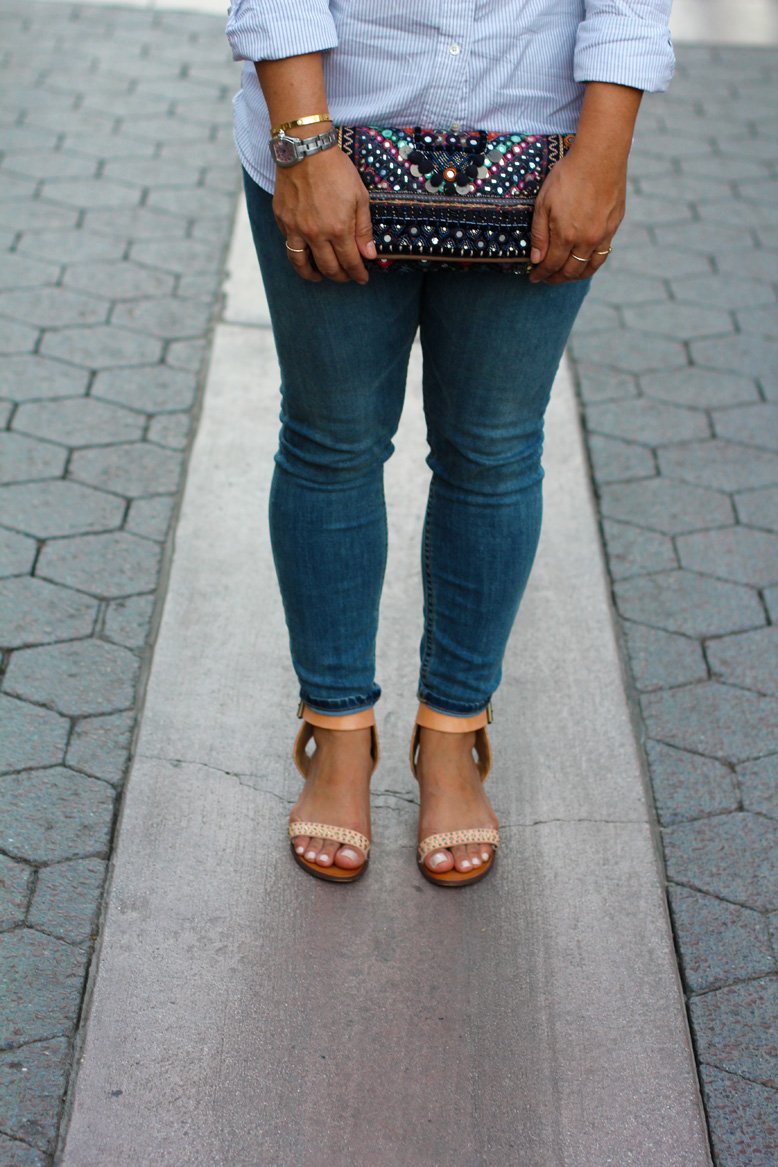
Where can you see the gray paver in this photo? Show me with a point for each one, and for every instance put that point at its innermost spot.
(749, 659)
(40, 975)
(77, 422)
(186, 354)
(72, 246)
(128, 621)
(32, 1083)
(663, 505)
(24, 461)
(120, 280)
(25, 215)
(756, 425)
(116, 564)
(733, 354)
(720, 942)
(16, 1154)
(681, 321)
(35, 378)
(652, 423)
(735, 1028)
(18, 271)
(632, 550)
(55, 814)
(164, 317)
(660, 659)
(643, 354)
(53, 307)
(101, 347)
(30, 736)
(730, 293)
(707, 855)
(151, 517)
(171, 430)
(16, 338)
(15, 881)
(140, 225)
(90, 193)
(76, 678)
(132, 469)
(48, 509)
(758, 783)
(720, 465)
(33, 611)
(714, 719)
(618, 461)
(152, 390)
(760, 321)
(100, 746)
(67, 899)
(702, 388)
(735, 553)
(687, 786)
(742, 1115)
(17, 553)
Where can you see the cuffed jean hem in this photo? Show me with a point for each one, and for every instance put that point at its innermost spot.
(339, 705)
(453, 709)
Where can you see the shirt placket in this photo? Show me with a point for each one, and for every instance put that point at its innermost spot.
(448, 90)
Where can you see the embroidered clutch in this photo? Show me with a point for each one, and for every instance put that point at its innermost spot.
(451, 199)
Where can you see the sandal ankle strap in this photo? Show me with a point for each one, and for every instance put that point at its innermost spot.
(364, 719)
(427, 718)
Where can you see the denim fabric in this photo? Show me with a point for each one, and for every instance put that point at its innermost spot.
(491, 346)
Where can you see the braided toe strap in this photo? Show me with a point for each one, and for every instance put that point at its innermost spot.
(452, 838)
(337, 834)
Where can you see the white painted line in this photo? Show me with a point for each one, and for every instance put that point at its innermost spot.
(244, 1014)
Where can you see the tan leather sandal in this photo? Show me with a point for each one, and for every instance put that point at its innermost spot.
(363, 720)
(430, 719)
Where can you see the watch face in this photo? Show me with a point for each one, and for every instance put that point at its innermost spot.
(283, 151)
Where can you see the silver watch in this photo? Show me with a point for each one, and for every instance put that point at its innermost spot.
(289, 151)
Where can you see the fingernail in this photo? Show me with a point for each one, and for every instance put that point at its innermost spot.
(534, 255)
(347, 853)
(371, 251)
(310, 854)
(436, 860)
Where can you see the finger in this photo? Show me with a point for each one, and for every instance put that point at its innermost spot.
(328, 263)
(347, 251)
(555, 259)
(363, 232)
(540, 234)
(299, 255)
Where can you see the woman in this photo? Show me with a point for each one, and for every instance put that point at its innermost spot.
(491, 345)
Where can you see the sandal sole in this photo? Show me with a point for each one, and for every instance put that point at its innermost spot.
(455, 878)
(327, 873)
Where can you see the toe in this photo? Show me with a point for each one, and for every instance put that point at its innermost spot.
(326, 855)
(461, 860)
(485, 851)
(350, 858)
(300, 843)
(439, 861)
(474, 854)
(313, 849)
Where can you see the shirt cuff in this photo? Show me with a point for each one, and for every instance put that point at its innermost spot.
(624, 51)
(272, 31)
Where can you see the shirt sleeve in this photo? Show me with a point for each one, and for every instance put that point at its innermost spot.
(269, 30)
(625, 42)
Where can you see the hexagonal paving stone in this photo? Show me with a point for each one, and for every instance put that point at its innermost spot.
(682, 321)
(72, 246)
(172, 430)
(50, 815)
(760, 321)
(153, 390)
(741, 1118)
(81, 421)
(42, 987)
(186, 354)
(154, 173)
(717, 292)
(758, 783)
(167, 318)
(735, 1029)
(77, 678)
(15, 880)
(133, 469)
(107, 145)
(720, 465)
(740, 554)
(662, 659)
(612, 459)
(101, 745)
(699, 388)
(151, 517)
(30, 736)
(53, 165)
(756, 425)
(17, 553)
(35, 612)
(22, 460)
(33, 1081)
(16, 338)
(716, 720)
(67, 899)
(620, 289)
(195, 202)
(771, 600)
(141, 225)
(33, 378)
(687, 786)
(35, 215)
(177, 256)
(650, 423)
(749, 214)
(718, 942)
(17, 271)
(736, 353)
(695, 605)
(702, 238)
(112, 565)
(666, 506)
(749, 659)
(635, 352)
(101, 347)
(127, 621)
(48, 509)
(758, 508)
(90, 192)
(53, 307)
(659, 262)
(633, 550)
(599, 384)
(119, 280)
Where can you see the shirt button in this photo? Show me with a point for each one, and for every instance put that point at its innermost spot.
(453, 49)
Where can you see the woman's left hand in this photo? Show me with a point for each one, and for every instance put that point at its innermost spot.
(582, 201)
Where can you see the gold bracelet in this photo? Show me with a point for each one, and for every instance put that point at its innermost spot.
(309, 121)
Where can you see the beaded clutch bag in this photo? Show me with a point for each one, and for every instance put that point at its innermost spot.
(451, 199)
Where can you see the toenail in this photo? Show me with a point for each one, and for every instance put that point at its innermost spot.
(299, 850)
(347, 853)
(310, 854)
(485, 856)
(436, 860)
(465, 862)
(476, 862)
(324, 858)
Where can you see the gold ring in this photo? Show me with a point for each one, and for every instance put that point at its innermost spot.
(578, 257)
(297, 250)
(610, 249)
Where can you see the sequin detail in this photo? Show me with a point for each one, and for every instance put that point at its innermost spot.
(336, 834)
(453, 838)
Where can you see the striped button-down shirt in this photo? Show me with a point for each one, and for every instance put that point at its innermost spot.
(504, 65)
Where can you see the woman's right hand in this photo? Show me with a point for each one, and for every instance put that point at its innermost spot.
(323, 210)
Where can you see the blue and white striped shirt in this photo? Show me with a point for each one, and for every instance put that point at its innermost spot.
(504, 65)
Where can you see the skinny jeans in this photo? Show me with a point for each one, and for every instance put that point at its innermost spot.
(491, 346)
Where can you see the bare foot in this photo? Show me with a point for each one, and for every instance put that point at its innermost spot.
(336, 792)
(452, 798)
